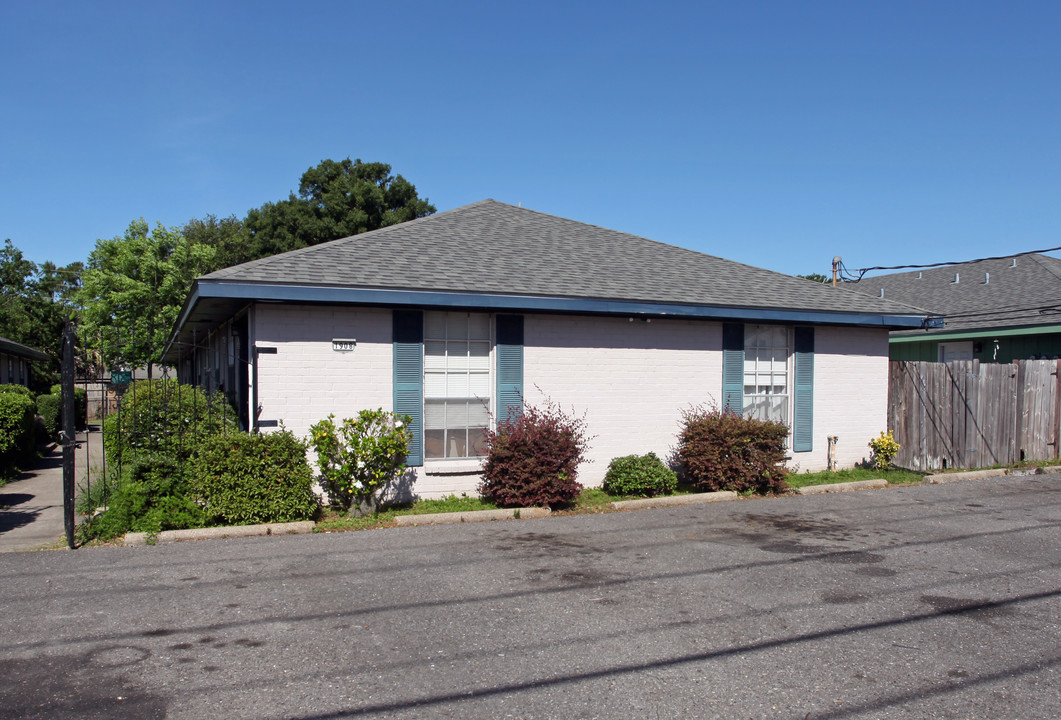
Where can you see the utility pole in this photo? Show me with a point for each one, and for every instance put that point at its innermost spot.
(836, 267)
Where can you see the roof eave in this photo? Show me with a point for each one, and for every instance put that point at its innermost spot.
(14, 348)
(270, 292)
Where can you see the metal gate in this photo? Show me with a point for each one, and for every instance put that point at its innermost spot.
(114, 414)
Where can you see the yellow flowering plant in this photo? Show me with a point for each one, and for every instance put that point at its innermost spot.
(359, 456)
(884, 450)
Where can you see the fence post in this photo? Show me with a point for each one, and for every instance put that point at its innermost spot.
(69, 441)
(1056, 418)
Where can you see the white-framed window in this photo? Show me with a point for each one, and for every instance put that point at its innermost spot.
(457, 384)
(950, 351)
(766, 382)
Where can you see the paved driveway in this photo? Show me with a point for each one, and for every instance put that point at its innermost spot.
(922, 602)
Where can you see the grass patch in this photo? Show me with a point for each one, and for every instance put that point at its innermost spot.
(338, 521)
(97, 493)
(894, 477)
(448, 504)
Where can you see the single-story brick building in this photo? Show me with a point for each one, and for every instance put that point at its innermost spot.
(15, 359)
(456, 317)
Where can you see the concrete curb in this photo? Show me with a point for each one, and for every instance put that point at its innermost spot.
(1024, 472)
(294, 528)
(843, 487)
(170, 536)
(956, 476)
(670, 500)
(472, 516)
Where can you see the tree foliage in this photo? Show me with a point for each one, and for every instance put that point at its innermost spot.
(134, 287)
(335, 200)
(224, 235)
(35, 301)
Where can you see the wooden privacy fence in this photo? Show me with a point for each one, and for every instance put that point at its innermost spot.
(965, 414)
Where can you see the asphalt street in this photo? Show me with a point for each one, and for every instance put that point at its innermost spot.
(920, 602)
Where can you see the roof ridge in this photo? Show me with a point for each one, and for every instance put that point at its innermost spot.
(1054, 268)
(311, 249)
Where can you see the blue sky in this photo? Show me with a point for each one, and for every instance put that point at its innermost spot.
(777, 134)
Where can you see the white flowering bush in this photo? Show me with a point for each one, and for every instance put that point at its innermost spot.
(360, 456)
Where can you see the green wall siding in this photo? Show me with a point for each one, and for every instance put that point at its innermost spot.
(1016, 347)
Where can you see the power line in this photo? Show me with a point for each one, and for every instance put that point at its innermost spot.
(862, 271)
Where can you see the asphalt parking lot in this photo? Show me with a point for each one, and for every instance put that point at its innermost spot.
(917, 602)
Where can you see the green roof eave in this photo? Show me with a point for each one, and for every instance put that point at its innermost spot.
(969, 334)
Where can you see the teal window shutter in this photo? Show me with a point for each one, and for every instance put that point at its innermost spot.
(509, 366)
(409, 378)
(733, 367)
(803, 416)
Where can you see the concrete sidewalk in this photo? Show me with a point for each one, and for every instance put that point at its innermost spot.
(31, 507)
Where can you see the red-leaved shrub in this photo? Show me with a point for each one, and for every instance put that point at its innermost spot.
(533, 459)
(721, 450)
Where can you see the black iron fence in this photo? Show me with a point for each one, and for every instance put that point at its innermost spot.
(135, 417)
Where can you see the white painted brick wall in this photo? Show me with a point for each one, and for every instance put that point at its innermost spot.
(306, 380)
(850, 394)
(630, 379)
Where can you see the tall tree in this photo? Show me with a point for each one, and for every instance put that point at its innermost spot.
(335, 200)
(35, 301)
(133, 288)
(17, 299)
(225, 235)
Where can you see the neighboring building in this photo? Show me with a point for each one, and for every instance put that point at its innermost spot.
(456, 317)
(993, 310)
(15, 359)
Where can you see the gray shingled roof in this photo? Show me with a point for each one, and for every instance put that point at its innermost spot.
(1010, 292)
(490, 247)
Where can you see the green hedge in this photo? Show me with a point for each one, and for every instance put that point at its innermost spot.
(152, 495)
(243, 479)
(163, 416)
(17, 441)
(50, 409)
(80, 405)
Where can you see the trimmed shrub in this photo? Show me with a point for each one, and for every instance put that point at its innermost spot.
(533, 459)
(360, 457)
(721, 450)
(50, 409)
(644, 475)
(242, 479)
(153, 496)
(17, 436)
(163, 416)
(80, 405)
(16, 389)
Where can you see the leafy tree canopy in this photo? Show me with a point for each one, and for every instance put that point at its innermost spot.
(225, 235)
(335, 200)
(133, 288)
(35, 301)
(814, 277)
